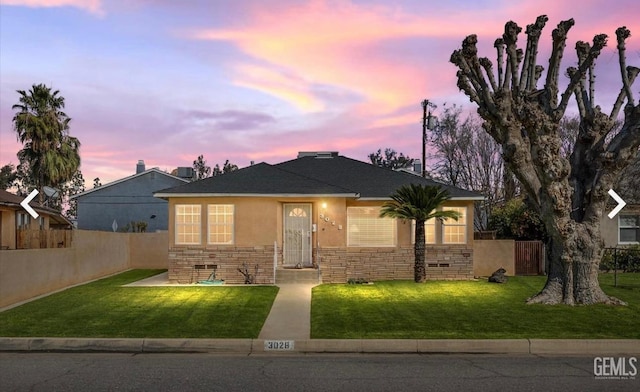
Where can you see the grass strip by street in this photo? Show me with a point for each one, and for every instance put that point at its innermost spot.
(105, 309)
(469, 310)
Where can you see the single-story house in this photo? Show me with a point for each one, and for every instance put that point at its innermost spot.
(19, 230)
(127, 200)
(320, 211)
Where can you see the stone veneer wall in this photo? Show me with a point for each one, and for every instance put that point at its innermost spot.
(453, 262)
(183, 262)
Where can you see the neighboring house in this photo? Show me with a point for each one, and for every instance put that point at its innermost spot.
(18, 230)
(127, 200)
(319, 210)
(623, 229)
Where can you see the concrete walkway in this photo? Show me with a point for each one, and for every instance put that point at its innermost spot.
(290, 315)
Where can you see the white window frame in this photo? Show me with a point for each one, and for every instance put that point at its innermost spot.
(229, 228)
(197, 225)
(620, 227)
(451, 223)
(376, 223)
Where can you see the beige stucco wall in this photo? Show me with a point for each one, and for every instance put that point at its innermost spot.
(255, 219)
(489, 255)
(609, 227)
(258, 220)
(27, 273)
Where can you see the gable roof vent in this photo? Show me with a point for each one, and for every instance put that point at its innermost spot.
(318, 154)
(326, 154)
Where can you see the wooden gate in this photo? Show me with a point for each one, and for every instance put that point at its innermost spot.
(529, 257)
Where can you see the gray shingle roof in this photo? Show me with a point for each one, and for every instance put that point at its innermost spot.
(310, 175)
(368, 180)
(101, 188)
(260, 179)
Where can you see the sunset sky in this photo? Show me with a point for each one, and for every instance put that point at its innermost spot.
(167, 80)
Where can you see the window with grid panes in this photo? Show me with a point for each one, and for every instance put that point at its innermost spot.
(188, 224)
(220, 222)
(455, 232)
(629, 229)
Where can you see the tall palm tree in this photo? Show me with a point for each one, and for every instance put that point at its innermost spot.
(419, 203)
(51, 154)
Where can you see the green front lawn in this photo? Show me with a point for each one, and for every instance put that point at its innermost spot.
(468, 310)
(106, 309)
(400, 309)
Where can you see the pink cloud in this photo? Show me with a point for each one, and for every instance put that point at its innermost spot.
(291, 88)
(365, 50)
(92, 6)
(333, 44)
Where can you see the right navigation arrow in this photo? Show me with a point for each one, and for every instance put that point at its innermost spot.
(618, 199)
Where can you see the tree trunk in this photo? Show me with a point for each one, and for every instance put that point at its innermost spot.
(420, 267)
(573, 270)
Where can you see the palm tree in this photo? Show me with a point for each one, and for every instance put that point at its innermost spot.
(419, 203)
(51, 155)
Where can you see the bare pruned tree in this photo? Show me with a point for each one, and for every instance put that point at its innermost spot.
(569, 193)
(466, 157)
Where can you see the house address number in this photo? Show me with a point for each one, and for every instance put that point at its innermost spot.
(278, 345)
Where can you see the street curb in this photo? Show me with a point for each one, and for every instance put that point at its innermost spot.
(586, 346)
(593, 347)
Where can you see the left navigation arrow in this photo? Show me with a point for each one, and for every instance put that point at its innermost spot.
(25, 204)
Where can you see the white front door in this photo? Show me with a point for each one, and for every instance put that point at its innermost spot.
(297, 235)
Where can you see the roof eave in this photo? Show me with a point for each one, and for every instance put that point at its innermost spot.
(459, 198)
(287, 195)
(40, 210)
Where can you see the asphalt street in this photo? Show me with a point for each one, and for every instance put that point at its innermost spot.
(311, 372)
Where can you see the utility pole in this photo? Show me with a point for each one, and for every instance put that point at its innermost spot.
(428, 122)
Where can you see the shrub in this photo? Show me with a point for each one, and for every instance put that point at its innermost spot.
(515, 220)
(625, 259)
